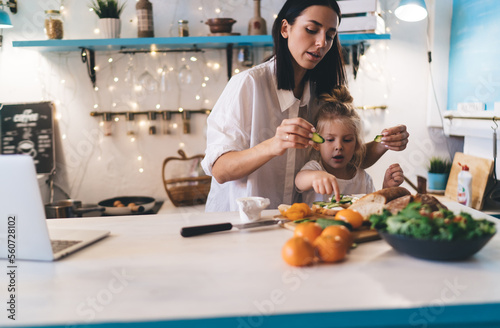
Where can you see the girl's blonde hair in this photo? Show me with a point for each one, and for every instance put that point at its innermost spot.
(337, 105)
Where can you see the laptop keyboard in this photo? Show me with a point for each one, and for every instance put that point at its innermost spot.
(59, 245)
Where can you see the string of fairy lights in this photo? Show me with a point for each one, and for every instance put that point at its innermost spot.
(138, 87)
(179, 68)
(110, 65)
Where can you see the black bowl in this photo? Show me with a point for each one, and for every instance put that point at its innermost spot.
(436, 250)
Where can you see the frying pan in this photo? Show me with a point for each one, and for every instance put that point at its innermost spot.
(143, 204)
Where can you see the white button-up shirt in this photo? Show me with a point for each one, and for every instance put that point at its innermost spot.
(247, 113)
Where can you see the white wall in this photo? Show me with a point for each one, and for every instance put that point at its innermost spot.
(93, 167)
(400, 74)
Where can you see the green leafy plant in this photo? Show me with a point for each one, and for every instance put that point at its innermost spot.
(439, 165)
(107, 8)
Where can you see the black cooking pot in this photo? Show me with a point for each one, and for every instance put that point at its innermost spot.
(69, 208)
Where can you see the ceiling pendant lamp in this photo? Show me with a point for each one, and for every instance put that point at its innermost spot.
(4, 19)
(411, 10)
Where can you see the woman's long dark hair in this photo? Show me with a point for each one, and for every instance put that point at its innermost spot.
(329, 73)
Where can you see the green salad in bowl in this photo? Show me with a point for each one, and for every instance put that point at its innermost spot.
(437, 235)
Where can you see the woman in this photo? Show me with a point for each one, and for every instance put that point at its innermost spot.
(259, 131)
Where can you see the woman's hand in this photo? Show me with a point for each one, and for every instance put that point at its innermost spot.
(292, 133)
(393, 176)
(234, 165)
(395, 138)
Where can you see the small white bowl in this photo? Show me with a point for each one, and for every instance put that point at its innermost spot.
(251, 207)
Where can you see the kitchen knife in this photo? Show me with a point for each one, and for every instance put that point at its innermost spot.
(203, 229)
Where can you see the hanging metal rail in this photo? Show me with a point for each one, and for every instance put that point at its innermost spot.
(484, 118)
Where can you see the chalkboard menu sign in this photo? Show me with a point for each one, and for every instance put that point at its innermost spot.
(29, 129)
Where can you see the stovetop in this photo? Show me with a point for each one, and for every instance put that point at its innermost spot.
(154, 210)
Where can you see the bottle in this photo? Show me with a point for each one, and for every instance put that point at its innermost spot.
(464, 195)
(53, 24)
(145, 28)
(257, 24)
(183, 27)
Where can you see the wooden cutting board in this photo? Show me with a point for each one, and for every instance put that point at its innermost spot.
(361, 235)
(480, 168)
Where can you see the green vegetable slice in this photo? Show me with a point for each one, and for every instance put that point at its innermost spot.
(378, 138)
(346, 200)
(323, 222)
(304, 220)
(333, 203)
(317, 138)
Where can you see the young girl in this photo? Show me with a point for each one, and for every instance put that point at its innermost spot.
(337, 170)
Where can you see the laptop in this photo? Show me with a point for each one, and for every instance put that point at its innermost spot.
(24, 234)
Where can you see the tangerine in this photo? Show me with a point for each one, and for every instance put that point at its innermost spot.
(308, 230)
(350, 216)
(298, 251)
(330, 248)
(283, 208)
(297, 211)
(339, 230)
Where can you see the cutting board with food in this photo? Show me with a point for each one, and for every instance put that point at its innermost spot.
(360, 235)
(351, 211)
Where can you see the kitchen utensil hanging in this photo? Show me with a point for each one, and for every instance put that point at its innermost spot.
(494, 193)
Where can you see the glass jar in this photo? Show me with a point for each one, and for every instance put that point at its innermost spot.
(54, 24)
(107, 124)
(130, 118)
(183, 28)
(152, 123)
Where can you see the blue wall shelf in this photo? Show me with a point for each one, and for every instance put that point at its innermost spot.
(191, 43)
(206, 42)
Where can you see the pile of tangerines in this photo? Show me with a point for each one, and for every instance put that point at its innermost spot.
(311, 243)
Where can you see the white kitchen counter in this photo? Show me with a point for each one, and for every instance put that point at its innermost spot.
(146, 273)
(169, 208)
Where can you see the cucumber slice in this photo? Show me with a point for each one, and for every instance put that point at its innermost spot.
(317, 138)
(378, 138)
(345, 200)
(333, 198)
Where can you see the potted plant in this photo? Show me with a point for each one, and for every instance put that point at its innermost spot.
(438, 172)
(108, 12)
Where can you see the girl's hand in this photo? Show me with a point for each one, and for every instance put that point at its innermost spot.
(393, 176)
(325, 183)
(292, 133)
(395, 138)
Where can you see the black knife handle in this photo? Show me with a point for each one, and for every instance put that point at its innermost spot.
(203, 229)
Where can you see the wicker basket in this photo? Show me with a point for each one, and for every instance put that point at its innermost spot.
(186, 191)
